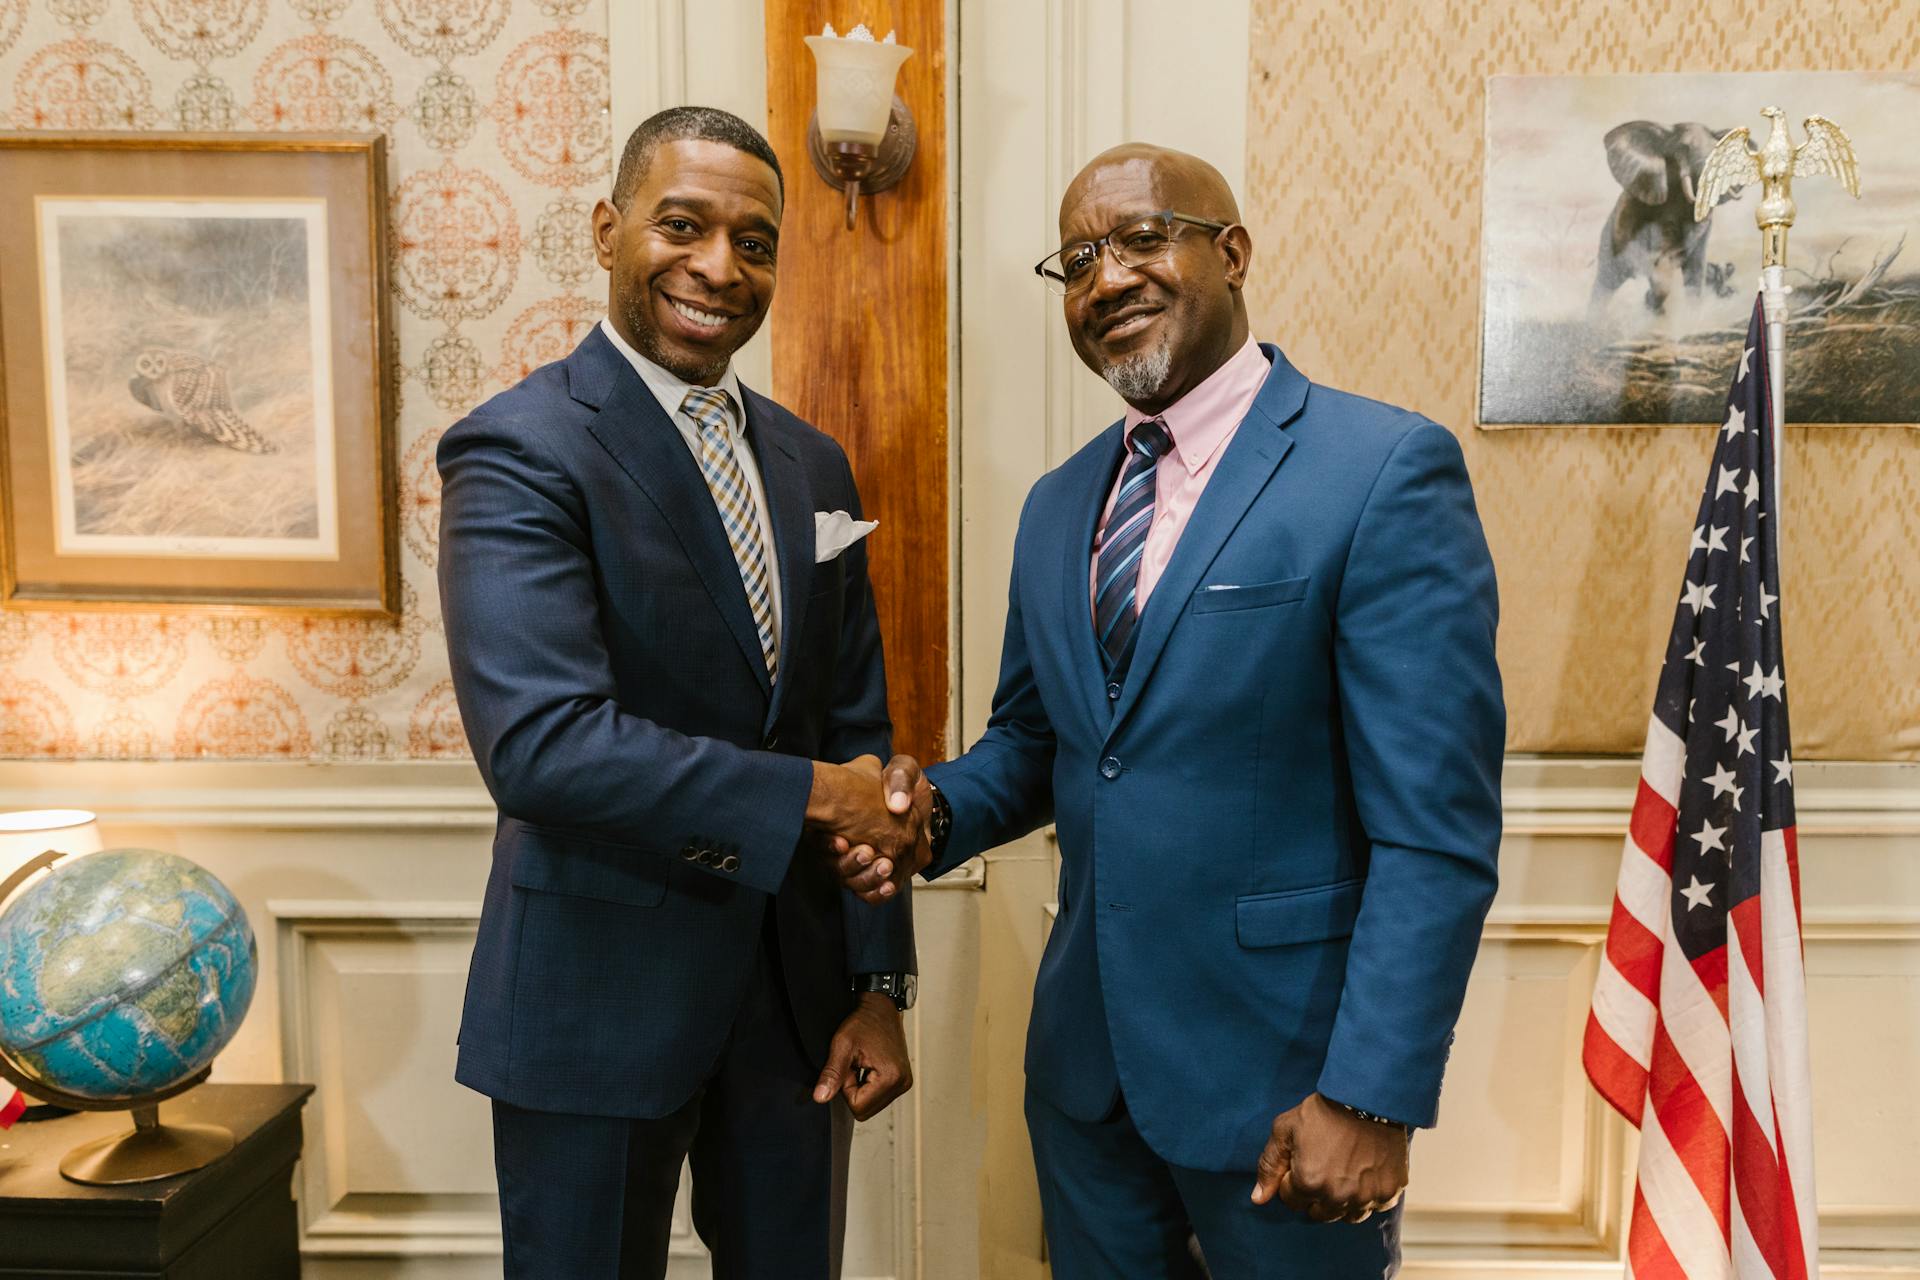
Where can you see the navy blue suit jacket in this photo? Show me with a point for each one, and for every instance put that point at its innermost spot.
(651, 781)
(1278, 832)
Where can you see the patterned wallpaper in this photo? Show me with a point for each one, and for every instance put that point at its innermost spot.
(496, 113)
(1364, 133)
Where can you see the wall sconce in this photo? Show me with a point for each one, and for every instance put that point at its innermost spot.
(862, 136)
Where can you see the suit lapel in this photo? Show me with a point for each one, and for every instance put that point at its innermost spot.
(633, 428)
(1076, 562)
(790, 510)
(1252, 457)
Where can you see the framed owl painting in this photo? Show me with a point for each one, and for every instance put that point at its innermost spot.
(195, 373)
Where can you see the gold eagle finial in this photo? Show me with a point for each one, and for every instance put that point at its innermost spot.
(1734, 164)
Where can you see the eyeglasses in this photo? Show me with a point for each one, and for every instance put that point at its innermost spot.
(1133, 244)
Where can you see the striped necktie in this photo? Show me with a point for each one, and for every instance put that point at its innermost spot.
(711, 409)
(1117, 550)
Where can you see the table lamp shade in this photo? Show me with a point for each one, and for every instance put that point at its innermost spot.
(27, 832)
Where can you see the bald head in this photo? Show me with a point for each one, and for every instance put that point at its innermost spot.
(1158, 329)
(1178, 180)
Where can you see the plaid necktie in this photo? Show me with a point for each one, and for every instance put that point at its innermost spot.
(711, 409)
(1117, 549)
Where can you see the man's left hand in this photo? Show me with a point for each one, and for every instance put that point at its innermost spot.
(867, 1061)
(1331, 1165)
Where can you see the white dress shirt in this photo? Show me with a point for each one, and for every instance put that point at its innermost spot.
(671, 392)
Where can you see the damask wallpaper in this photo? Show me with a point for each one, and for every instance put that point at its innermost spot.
(1364, 130)
(496, 113)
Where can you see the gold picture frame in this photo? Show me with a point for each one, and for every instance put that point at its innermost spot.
(196, 374)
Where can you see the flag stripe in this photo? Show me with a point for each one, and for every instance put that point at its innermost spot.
(1648, 1256)
(1685, 1223)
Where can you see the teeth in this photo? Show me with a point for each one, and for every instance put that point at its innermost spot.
(705, 319)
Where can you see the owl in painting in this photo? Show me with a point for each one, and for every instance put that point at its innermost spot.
(194, 391)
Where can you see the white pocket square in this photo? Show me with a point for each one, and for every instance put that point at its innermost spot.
(835, 531)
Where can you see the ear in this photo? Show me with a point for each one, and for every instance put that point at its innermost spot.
(1637, 154)
(1236, 246)
(1695, 142)
(606, 221)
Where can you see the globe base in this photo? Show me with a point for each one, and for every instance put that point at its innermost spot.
(151, 1151)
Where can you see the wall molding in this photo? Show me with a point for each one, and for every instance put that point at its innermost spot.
(335, 1220)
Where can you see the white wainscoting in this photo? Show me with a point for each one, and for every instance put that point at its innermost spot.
(363, 884)
(1527, 1175)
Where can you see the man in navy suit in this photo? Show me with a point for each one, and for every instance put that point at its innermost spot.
(1249, 674)
(659, 628)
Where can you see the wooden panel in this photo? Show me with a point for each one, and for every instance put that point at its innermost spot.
(860, 338)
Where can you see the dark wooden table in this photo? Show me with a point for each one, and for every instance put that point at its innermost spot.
(234, 1218)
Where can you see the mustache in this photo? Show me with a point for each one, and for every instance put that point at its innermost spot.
(1103, 311)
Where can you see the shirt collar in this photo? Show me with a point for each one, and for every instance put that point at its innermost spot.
(668, 389)
(1203, 418)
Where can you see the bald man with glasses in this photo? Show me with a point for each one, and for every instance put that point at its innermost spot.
(1249, 675)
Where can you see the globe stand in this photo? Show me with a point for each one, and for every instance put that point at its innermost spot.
(152, 1150)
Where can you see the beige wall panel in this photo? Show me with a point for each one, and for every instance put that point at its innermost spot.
(1525, 1154)
(1364, 129)
(1863, 989)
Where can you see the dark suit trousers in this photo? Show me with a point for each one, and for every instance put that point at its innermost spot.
(1113, 1208)
(591, 1197)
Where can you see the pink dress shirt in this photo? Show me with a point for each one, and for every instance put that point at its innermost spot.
(1201, 422)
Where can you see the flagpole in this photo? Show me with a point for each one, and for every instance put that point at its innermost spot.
(1773, 294)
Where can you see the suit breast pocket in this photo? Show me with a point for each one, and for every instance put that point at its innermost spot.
(1229, 597)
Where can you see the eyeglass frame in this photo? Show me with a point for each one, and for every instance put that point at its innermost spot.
(1103, 245)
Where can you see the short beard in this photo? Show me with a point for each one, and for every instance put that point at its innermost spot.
(635, 308)
(1140, 377)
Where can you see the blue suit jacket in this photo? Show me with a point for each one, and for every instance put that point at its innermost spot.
(651, 782)
(1278, 833)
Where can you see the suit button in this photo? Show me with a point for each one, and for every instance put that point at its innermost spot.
(690, 853)
(706, 857)
(1113, 692)
(730, 863)
(773, 742)
(1110, 768)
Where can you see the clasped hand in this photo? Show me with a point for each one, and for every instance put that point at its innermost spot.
(873, 821)
(1331, 1165)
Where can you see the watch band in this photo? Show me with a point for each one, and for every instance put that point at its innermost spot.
(901, 988)
(1368, 1115)
(939, 823)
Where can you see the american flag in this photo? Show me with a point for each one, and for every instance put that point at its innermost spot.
(1698, 1032)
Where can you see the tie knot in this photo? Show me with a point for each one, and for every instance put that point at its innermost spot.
(711, 407)
(1151, 439)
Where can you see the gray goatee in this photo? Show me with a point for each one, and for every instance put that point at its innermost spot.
(1140, 377)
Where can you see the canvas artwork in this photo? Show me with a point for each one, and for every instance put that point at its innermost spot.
(188, 376)
(1606, 303)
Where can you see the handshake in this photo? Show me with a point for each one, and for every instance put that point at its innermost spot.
(872, 822)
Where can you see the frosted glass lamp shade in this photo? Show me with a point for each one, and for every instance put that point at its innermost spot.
(29, 832)
(854, 81)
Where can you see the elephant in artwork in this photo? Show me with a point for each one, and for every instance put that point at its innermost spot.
(1651, 233)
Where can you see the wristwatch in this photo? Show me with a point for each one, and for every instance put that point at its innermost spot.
(939, 823)
(1402, 1126)
(901, 988)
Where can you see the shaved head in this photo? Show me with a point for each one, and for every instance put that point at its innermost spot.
(1157, 330)
(1184, 182)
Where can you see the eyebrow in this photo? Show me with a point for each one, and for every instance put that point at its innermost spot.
(696, 204)
(1124, 221)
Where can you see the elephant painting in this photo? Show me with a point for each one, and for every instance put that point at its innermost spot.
(1651, 233)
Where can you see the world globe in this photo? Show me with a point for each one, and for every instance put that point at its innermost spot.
(122, 974)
